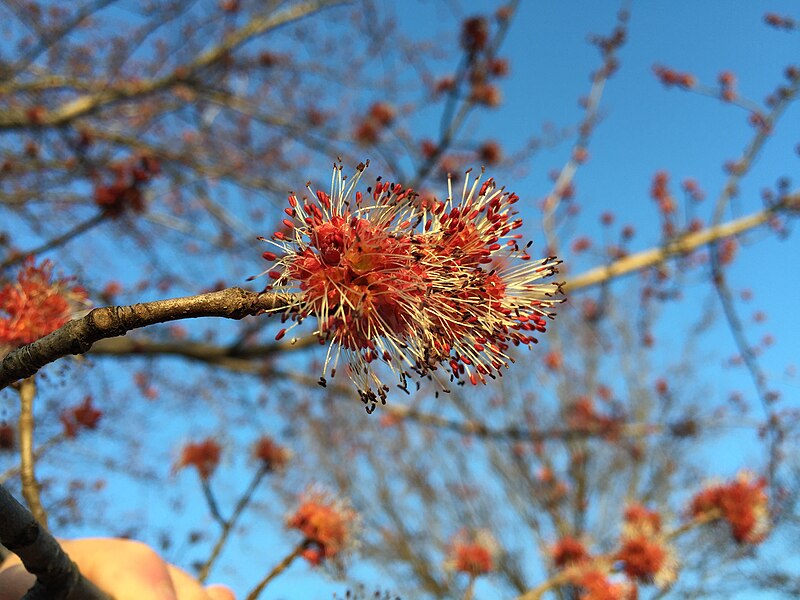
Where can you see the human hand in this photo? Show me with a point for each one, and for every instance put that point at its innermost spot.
(125, 569)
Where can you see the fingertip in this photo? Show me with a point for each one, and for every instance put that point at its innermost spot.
(220, 592)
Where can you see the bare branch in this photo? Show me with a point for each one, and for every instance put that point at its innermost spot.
(77, 336)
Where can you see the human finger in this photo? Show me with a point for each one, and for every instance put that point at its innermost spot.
(126, 569)
(14, 580)
(220, 592)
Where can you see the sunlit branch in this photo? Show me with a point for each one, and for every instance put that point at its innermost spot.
(30, 486)
(78, 335)
(679, 246)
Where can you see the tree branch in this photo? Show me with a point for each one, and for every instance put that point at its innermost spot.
(77, 336)
(57, 577)
(679, 247)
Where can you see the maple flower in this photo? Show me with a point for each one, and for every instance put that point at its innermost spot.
(36, 304)
(417, 284)
(83, 416)
(473, 553)
(272, 455)
(204, 456)
(645, 554)
(595, 585)
(328, 523)
(568, 551)
(743, 503)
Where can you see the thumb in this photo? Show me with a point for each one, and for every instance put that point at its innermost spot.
(220, 592)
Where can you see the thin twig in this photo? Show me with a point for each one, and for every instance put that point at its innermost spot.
(229, 524)
(277, 570)
(30, 486)
(679, 246)
(56, 242)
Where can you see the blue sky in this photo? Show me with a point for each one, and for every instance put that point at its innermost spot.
(645, 128)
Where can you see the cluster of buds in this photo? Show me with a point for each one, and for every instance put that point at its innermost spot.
(125, 191)
(483, 67)
(328, 523)
(671, 77)
(659, 191)
(743, 503)
(727, 86)
(780, 21)
(36, 304)
(416, 284)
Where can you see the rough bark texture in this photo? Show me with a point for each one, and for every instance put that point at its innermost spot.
(77, 336)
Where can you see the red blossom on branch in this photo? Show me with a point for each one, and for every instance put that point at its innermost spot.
(36, 304)
(416, 285)
(473, 553)
(328, 523)
(272, 455)
(125, 191)
(83, 416)
(595, 585)
(568, 551)
(204, 456)
(743, 503)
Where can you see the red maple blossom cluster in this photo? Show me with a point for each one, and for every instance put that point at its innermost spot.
(125, 192)
(474, 553)
(272, 455)
(568, 551)
(379, 117)
(328, 523)
(203, 455)
(415, 283)
(743, 503)
(83, 416)
(594, 584)
(645, 555)
(36, 304)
